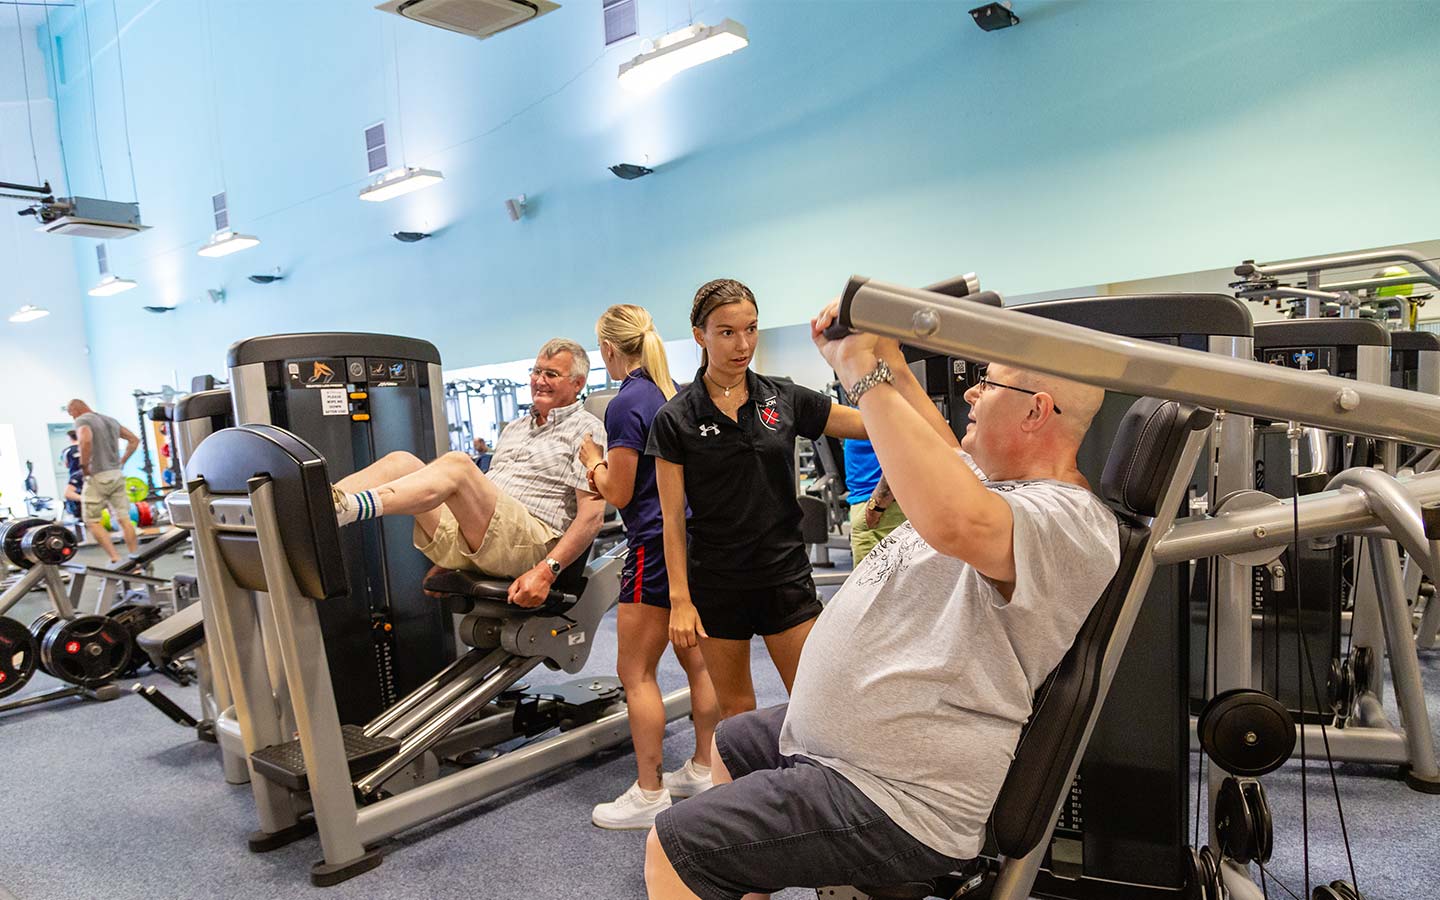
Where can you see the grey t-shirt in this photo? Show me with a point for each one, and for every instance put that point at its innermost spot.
(918, 676)
(104, 442)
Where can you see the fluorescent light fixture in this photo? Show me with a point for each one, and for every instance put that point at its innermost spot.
(28, 313)
(224, 243)
(681, 50)
(111, 285)
(400, 181)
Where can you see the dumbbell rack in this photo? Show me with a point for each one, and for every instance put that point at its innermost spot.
(91, 654)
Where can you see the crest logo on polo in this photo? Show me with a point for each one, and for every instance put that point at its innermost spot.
(770, 414)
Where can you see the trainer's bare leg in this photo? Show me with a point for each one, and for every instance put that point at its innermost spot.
(728, 662)
(704, 708)
(785, 650)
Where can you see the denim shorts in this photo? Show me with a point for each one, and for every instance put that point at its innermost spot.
(785, 821)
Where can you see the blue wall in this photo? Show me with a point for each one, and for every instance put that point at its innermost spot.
(1098, 141)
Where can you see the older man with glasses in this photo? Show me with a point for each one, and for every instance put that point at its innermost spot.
(526, 519)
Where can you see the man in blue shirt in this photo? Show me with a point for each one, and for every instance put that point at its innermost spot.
(878, 514)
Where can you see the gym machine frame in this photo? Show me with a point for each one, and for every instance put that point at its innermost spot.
(434, 719)
(1378, 505)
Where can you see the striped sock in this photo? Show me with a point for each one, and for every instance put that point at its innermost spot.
(356, 507)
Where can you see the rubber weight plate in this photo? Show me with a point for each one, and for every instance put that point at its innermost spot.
(135, 617)
(1246, 732)
(87, 651)
(48, 545)
(11, 535)
(136, 488)
(19, 656)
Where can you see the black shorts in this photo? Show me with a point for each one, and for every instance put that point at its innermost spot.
(738, 614)
(786, 821)
(643, 578)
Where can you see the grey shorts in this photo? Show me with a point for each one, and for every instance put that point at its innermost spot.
(786, 821)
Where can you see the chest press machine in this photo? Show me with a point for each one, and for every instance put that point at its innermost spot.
(267, 550)
(1406, 509)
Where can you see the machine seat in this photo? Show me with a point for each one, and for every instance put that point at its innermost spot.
(466, 592)
(1142, 459)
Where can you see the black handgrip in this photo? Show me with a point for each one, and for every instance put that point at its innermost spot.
(165, 705)
(841, 326)
(1430, 518)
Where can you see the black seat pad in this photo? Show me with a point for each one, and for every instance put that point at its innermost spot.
(485, 594)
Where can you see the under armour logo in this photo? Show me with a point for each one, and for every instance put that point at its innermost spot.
(709, 430)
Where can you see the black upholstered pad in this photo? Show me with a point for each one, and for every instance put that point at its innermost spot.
(472, 592)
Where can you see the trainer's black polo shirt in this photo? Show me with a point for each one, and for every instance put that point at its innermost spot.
(740, 478)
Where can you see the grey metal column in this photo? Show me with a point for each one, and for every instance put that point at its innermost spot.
(1404, 667)
(237, 630)
(321, 741)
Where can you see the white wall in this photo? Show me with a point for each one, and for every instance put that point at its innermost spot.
(45, 362)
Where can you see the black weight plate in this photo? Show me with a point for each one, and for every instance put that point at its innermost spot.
(19, 656)
(43, 623)
(135, 617)
(48, 545)
(1263, 838)
(1325, 892)
(1346, 890)
(87, 651)
(1234, 825)
(1247, 732)
(10, 536)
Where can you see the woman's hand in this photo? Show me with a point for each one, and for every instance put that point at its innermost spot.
(685, 625)
(590, 452)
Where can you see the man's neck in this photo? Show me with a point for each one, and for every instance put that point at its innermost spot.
(1039, 467)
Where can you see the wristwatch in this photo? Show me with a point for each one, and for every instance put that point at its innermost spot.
(554, 565)
(881, 374)
(872, 505)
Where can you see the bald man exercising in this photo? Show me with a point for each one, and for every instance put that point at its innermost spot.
(917, 678)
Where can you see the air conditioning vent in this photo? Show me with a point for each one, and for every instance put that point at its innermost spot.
(222, 211)
(102, 259)
(375, 154)
(476, 18)
(619, 20)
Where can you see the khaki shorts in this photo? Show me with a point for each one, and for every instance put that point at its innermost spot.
(514, 542)
(105, 490)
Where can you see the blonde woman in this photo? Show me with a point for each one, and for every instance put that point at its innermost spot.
(625, 477)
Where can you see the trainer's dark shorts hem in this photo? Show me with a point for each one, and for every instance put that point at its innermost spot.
(738, 614)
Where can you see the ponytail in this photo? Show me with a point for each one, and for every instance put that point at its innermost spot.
(631, 330)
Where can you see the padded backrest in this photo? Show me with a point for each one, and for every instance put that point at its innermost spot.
(1143, 457)
(1143, 454)
(233, 461)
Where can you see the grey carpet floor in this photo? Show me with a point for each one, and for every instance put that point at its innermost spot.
(111, 800)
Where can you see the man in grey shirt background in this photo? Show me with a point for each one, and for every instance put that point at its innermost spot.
(103, 464)
(915, 683)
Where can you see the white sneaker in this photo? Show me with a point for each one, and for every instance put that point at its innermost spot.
(345, 511)
(630, 810)
(686, 781)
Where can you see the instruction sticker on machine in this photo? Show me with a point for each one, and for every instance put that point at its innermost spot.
(334, 402)
(577, 638)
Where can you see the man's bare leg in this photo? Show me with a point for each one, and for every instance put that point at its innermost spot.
(102, 537)
(132, 538)
(387, 468)
(453, 480)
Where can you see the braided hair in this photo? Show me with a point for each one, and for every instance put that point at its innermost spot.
(713, 295)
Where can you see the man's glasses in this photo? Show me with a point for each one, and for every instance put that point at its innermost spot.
(986, 382)
(546, 374)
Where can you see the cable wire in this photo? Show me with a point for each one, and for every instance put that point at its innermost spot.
(124, 106)
(59, 120)
(25, 76)
(94, 117)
